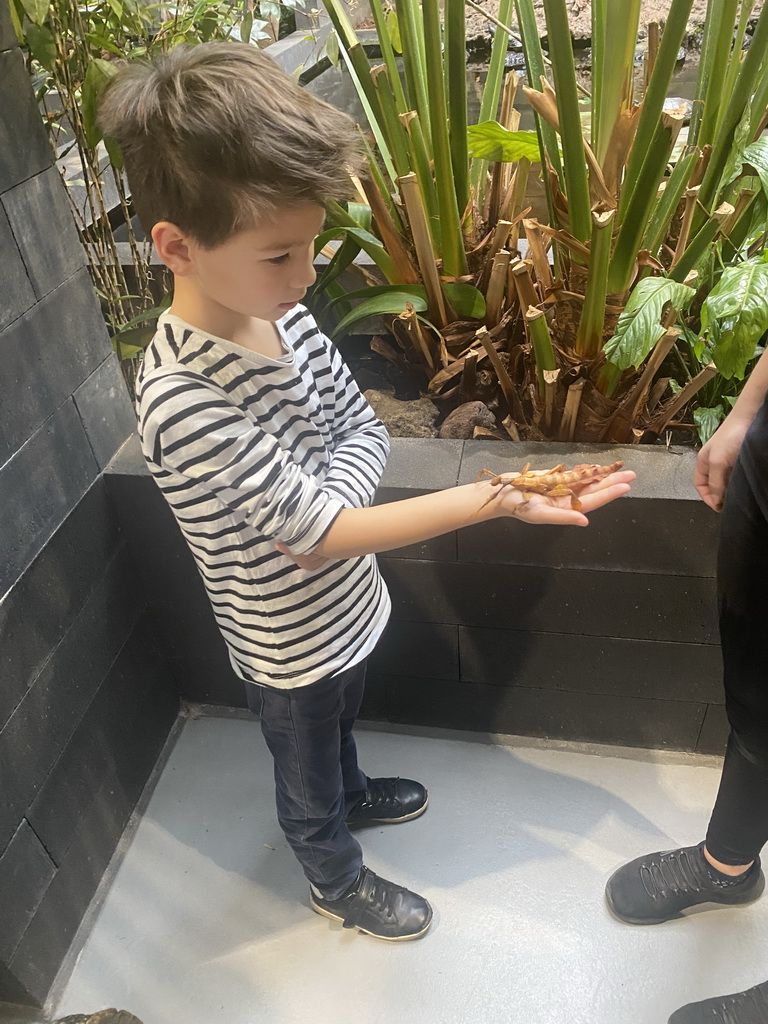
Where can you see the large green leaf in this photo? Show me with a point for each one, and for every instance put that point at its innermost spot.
(42, 45)
(392, 299)
(96, 77)
(36, 10)
(756, 156)
(639, 326)
(491, 141)
(368, 242)
(736, 312)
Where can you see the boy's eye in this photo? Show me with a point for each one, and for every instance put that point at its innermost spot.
(277, 260)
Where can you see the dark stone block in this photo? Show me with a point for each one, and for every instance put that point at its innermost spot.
(423, 464)
(591, 664)
(45, 943)
(551, 714)
(594, 603)
(661, 473)
(714, 731)
(42, 222)
(111, 732)
(40, 486)
(12, 990)
(37, 612)
(436, 549)
(171, 581)
(36, 380)
(26, 871)
(667, 536)
(7, 34)
(424, 649)
(20, 120)
(16, 295)
(44, 721)
(105, 409)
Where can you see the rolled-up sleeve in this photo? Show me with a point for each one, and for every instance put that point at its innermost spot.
(192, 430)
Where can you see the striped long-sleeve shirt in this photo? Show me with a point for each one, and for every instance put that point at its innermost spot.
(248, 451)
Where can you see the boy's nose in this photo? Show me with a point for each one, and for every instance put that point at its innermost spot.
(309, 275)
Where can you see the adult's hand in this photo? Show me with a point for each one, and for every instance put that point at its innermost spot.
(717, 458)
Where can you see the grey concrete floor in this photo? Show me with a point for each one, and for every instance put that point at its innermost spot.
(207, 919)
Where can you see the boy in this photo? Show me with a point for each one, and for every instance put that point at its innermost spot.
(263, 446)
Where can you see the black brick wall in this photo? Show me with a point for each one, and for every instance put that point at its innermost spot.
(604, 635)
(86, 694)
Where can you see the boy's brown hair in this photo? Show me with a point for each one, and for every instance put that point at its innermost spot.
(216, 137)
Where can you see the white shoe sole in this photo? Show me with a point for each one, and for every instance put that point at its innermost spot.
(390, 821)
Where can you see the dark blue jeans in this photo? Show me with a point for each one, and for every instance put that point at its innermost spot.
(309, 732)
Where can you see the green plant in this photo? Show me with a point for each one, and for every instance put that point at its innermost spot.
(641, 221)
(71, 50)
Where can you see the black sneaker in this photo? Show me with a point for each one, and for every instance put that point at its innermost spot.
(658, 887)
(379, 908)
(388, 801)
(750, 1007)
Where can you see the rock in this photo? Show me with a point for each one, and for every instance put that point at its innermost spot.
(102, 1017)
(404, 419)
(461, 423)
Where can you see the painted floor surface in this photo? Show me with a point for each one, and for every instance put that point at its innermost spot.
(207, 921)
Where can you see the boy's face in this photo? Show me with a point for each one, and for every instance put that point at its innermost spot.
(260, 272)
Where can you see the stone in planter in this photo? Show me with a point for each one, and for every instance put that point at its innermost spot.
(404, 419)
(460, 424)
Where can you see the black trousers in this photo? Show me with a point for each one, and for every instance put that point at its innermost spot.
(739, 825)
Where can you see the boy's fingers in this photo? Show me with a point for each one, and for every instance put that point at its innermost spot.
(625, 476)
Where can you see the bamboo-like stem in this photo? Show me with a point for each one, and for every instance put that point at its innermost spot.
(409, 188)
(415, 67)
(494, 299)
(405, 271)
(526, 293)
(541, 344)
(489, 103)
(682, 398)
(668, 202)
(453, 251)
(622, 422)
(621, 27)
(734, 64)
(699, 246)
(654, 38)
(456, 89)
(390, 122)
(388, 53)
(691, 198)
(384, 190)
(599, 19)
(538, 254)
(716, 101)
(574, 167)
(507, 387)
(420, 161)
(589, 337)
(410, 324)
(517, 198)
(571, 410)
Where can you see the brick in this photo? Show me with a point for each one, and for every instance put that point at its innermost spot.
(16, 295)
(551, 714)
(640, 606)
(591, 664)
(26, 871)
(42, 724)
(36, 380)
(44, 228)
(105, 408)
(423, 464)
(21, 120)
(425, 649)
(40, 608)
(40, 485)
(48, 937)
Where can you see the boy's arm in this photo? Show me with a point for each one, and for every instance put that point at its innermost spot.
(360, 439)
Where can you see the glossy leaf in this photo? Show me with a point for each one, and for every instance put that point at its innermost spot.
(639, 326)
(707, 421)
(96, 77)
(467, 301)
(491, 141)
(736, 313)
(42, 45)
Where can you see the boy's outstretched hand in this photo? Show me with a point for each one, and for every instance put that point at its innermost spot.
(556, 510)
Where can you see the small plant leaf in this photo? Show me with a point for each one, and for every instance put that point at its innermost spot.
(639, 326)
(42, 45)
(36, 10)
(707, 421)
(332, 49)
(96, 77)
(393, 27)
(392, 302)
(491, 141)
(736, 314)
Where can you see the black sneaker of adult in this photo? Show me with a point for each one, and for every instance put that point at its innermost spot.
(388, 801)
(659, 886)
(379, 908)
(750, 1007)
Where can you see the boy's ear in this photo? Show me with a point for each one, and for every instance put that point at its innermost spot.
(173, 248)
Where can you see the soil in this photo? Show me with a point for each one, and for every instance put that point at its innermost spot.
(580, 17)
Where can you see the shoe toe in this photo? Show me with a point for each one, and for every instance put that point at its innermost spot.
(412, 795)
(626, 895)
(413, 912)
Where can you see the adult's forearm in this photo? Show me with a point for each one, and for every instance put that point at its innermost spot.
(753, 393)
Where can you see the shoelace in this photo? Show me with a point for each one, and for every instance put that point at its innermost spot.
(383, 793)
(381, 896)
(672, 874)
